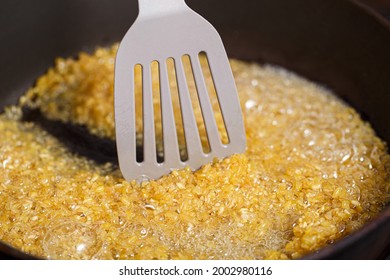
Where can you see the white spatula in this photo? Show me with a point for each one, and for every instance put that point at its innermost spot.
(170, 29)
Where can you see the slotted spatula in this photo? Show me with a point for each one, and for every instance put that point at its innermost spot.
(170, 29)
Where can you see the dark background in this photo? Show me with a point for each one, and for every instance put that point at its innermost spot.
(382, 6)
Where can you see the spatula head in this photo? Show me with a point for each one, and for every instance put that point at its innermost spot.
(158, 35)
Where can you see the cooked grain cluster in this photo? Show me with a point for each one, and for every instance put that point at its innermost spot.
(313, 173)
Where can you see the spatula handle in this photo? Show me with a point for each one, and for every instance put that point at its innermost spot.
(160, 7)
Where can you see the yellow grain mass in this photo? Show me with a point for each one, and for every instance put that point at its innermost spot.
(313, 173)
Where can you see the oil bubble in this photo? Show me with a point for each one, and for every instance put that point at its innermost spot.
(71, 240)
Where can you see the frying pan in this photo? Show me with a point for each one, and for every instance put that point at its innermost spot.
(337, 43)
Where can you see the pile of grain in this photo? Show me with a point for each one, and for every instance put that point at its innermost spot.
(313, 173)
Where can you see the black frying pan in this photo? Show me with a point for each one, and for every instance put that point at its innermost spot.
(334, 42)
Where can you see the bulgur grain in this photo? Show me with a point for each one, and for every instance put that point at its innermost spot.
(313, 173)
